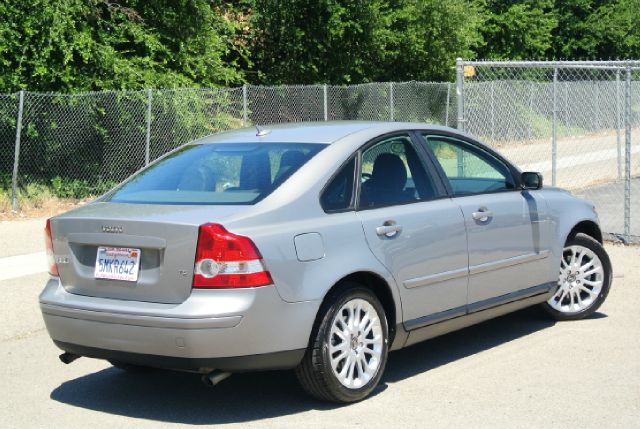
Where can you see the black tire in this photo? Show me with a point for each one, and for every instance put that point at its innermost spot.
(315, 373)
(129, 367)
(593, 245)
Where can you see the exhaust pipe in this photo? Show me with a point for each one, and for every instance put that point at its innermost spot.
(215, 377)
(66, 358)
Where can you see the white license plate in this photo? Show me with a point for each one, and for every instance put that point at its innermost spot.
(117, 263)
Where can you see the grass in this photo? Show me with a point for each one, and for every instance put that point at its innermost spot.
(47, 197)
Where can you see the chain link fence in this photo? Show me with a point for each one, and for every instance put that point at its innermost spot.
(575, 122)
(83, 144)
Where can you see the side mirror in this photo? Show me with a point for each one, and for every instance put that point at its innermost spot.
(531, 180)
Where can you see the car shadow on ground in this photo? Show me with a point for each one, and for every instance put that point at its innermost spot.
(182, 398)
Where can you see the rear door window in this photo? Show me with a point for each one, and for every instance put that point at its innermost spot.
(392, 173)
(338, 194)
(216, 173)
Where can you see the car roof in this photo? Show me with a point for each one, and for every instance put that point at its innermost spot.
(313, 132)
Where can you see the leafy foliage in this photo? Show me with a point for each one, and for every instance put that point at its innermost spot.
(352, 42)
(84, 45)
(518, 30)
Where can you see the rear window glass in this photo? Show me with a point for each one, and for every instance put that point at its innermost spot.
(216, 173)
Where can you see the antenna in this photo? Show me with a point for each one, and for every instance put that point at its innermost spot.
(261, 131)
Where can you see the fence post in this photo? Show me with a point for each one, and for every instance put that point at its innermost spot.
(148, 136)
(554, 130)
(324, 94)
(493, 113)
(16, 157)
(245, 114)
(446, 109)
(627, 157)
(531, 86)
(460, 92)
(391, 107)
(618, 140)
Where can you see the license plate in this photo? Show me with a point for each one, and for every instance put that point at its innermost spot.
(117, 263)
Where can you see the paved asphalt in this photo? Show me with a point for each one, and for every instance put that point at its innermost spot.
(521, 370)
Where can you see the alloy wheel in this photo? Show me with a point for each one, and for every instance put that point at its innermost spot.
(580, 282)
(355, 343)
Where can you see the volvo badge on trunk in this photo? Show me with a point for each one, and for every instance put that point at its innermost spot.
(112, 229)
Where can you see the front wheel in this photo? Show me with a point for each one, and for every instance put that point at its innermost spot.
(348, 350)
(584, 282)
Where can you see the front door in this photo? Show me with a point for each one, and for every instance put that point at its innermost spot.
(507, 230)
(415, 230)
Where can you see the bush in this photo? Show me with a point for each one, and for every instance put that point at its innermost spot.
(63, 187)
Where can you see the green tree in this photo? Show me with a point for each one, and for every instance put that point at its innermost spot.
(518, 30)
(573, 36)
(425, 37)
(80, 45)
(616, 30)
(608, 29)
(339, 41)
(306, 41)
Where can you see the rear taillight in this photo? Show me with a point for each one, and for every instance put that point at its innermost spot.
(48, 240)
(227, 260)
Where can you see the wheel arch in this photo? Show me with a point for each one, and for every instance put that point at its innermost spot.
(380, 288)
(587, 227)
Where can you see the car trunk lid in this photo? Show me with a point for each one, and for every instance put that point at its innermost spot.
(165, 235)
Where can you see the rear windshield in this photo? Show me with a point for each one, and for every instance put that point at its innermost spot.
(216, 173)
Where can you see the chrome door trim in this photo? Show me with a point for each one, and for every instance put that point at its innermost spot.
(435, 278)
(435, 318)
(509, 262)
(513, 296)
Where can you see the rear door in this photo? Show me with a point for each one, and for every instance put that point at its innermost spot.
(507, 230)
(414, 229)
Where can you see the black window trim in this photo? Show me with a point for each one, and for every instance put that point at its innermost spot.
(351, 206)
(475, 147)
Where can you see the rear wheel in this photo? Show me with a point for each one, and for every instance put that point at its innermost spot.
(584, 281)
(348, 350)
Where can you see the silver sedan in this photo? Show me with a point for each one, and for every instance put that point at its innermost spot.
(318, 247)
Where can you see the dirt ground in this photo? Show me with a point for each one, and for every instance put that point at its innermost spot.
(47, 208)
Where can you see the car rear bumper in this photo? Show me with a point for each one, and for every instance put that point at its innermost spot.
(276, 360)
(242, 329)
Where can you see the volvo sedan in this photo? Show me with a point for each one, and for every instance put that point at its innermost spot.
(317, 247)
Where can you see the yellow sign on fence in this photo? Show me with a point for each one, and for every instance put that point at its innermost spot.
(469, 71)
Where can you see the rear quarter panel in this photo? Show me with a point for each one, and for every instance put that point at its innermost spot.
(294, 209)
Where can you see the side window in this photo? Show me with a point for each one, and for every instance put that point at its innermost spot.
(338, 193)
(470, 170)
(392, 173)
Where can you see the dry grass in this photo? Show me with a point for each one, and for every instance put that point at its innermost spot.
(35, 203)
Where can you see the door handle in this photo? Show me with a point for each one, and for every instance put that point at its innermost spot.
(482, 215)
(389, 229)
